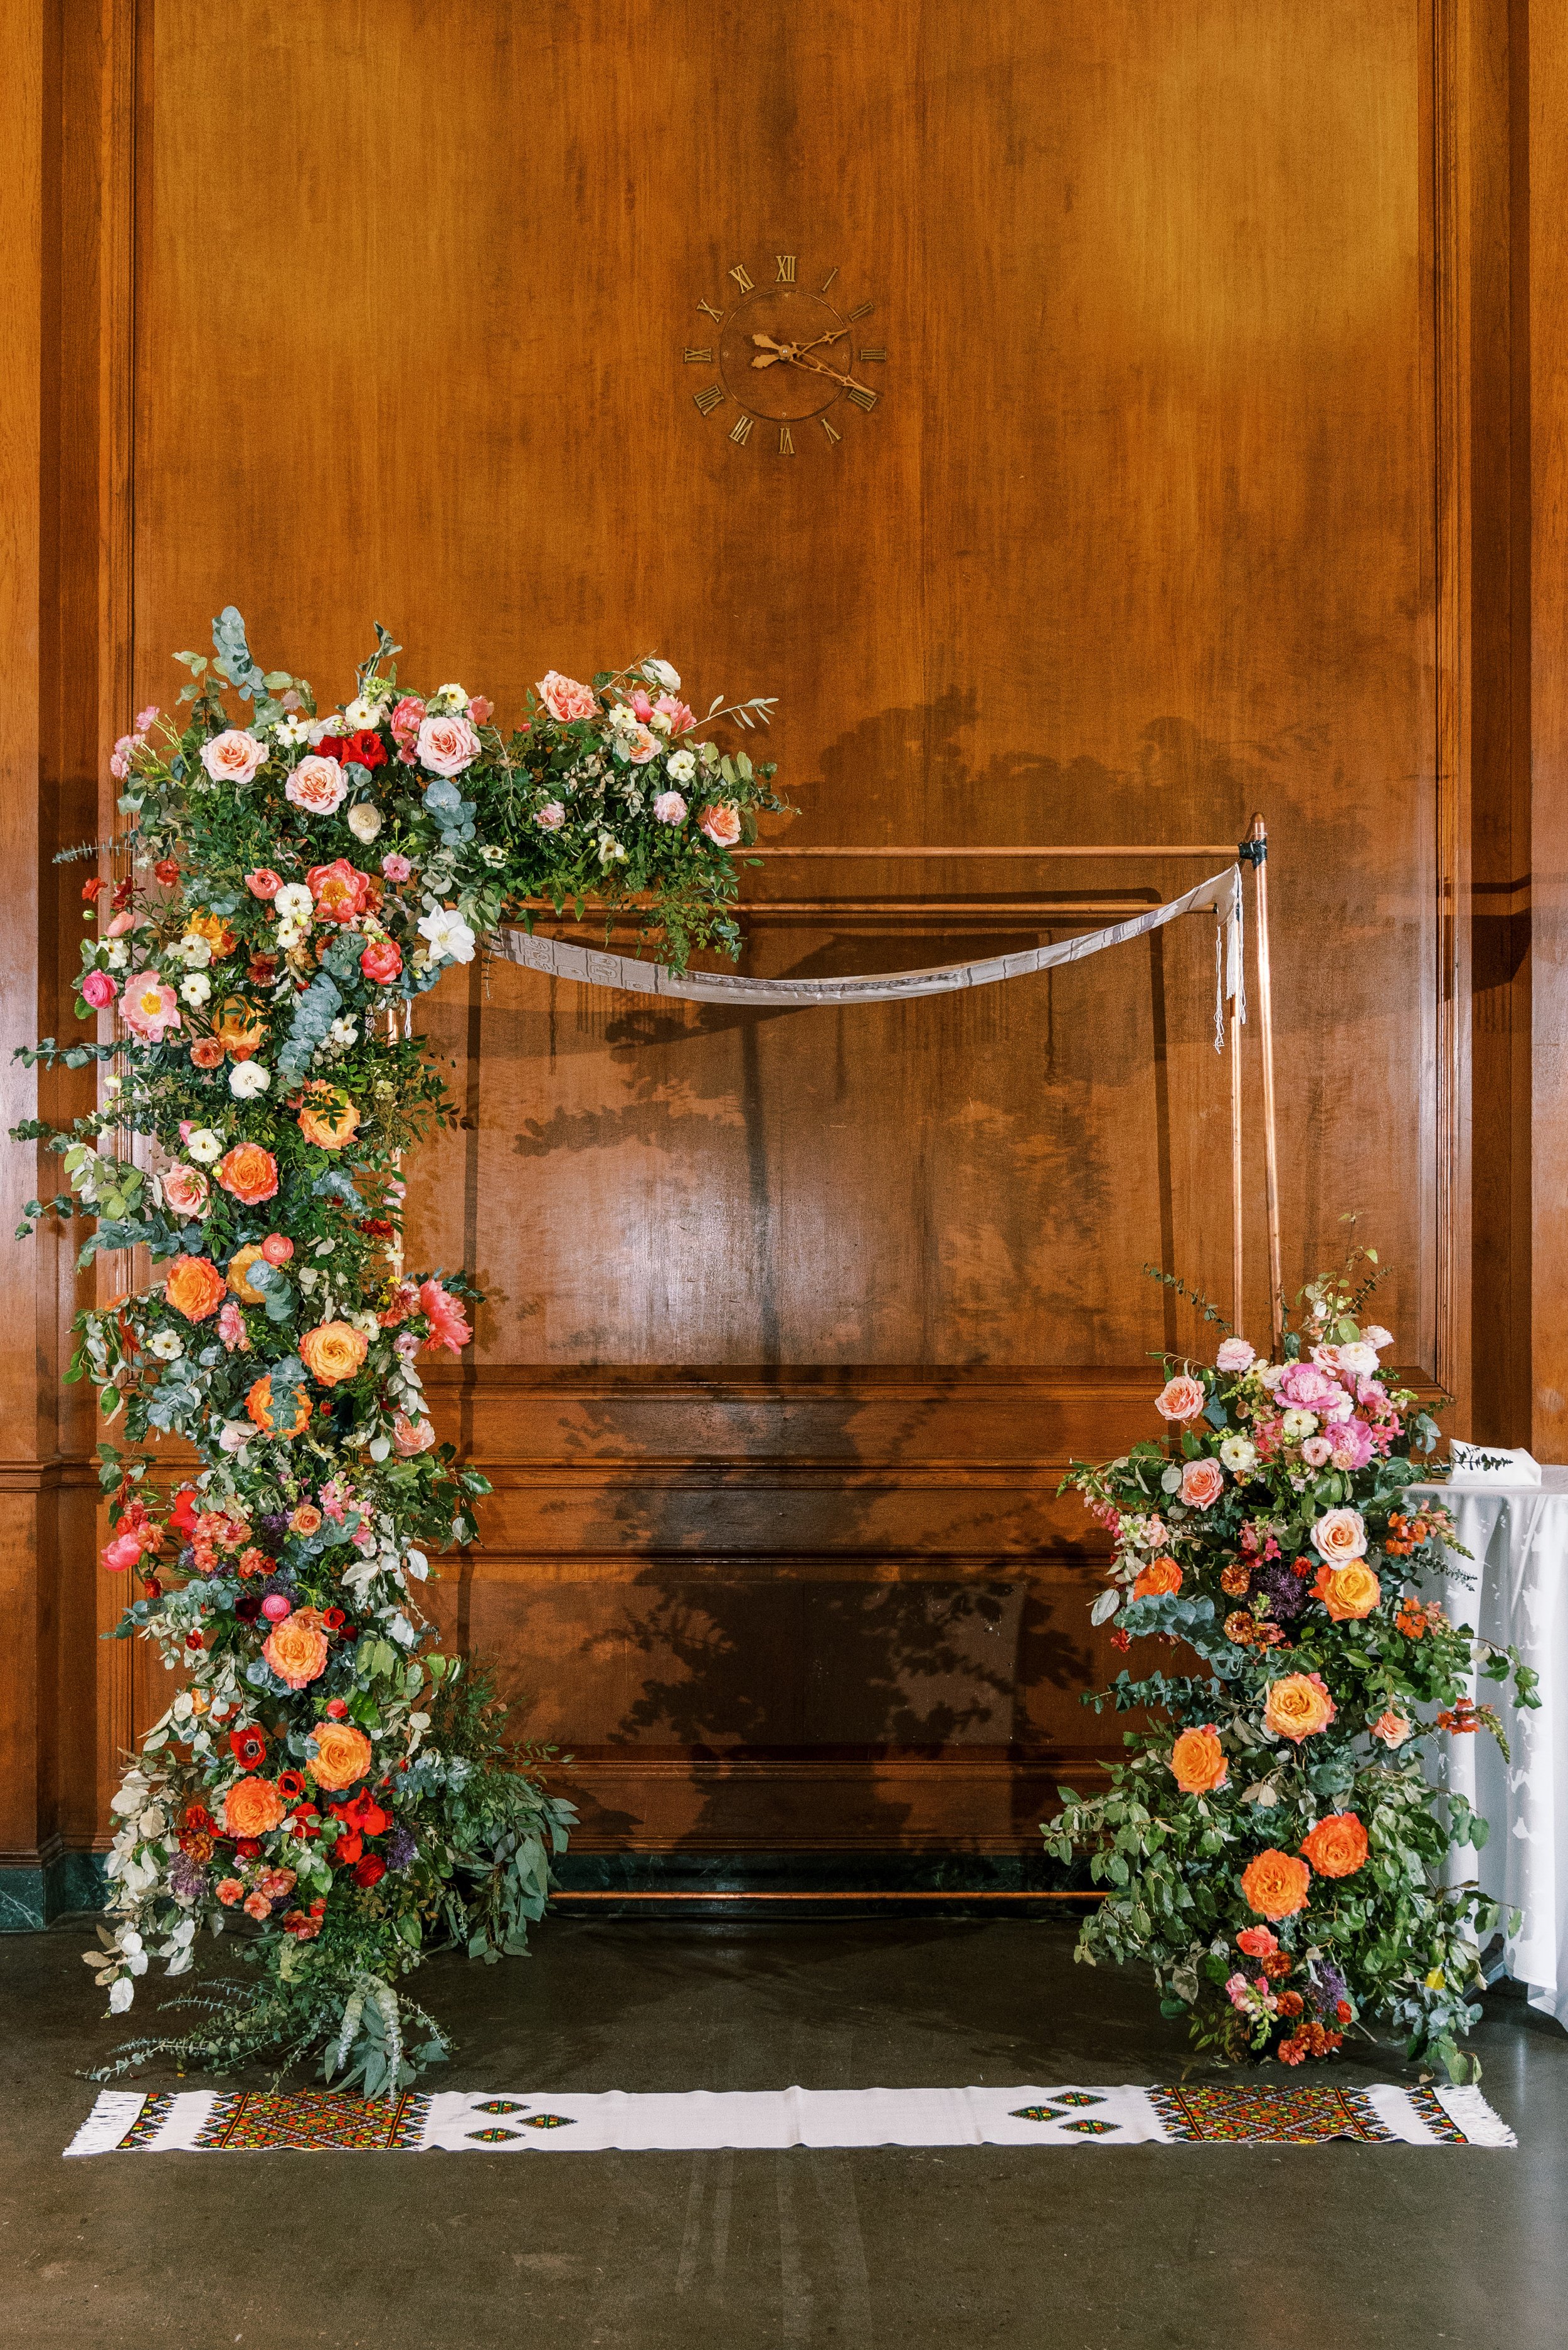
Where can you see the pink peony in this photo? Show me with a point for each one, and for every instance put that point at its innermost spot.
(447, 746)
(680, 717)
(1202, 1483)
(1352, 1444)
(1234, 1355)
(99, 990)
(185, 1189)
(233, 756)
(1182, 1398)
(565, 699)
(1304, 1387)
(396, 869)
(264, 883)
(551, 817)
(721, 823)
(669, 808)
(445, 1315)
(150, 1007)
(317, 786)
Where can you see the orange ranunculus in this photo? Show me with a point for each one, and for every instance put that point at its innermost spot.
(259, 1403)
(1198, 1762)
(333, 1351)
(327, 1118)
(1337, 1845)
(1298, 1705)
(250, 1807)
(195, 1288)
(249, 1173)
(1275, 1884)
(1348, 1592)
(342, 1754)
(239, 1027)
(215, 931)
(1160, 1575)
(240, 1281)
(296, 1648)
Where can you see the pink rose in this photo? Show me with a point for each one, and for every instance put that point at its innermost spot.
(551, 817)
(1202, 1483)
(233, 756)
(121, 1553)
(150, 1007)
(1392, 1728)
(99, 990)
(185, 1189)
(721, 823)
(1339, 1536)
(121, 924)
(317, 786)
(642, 745)
(396, 869)
(447, 746)
(1234, 1355)
(411, 1436)
(264, 883)
(669, 808)
(680, 717)
(1182, 1398)
(565, 699)
(407, 717)
(1315, 1452)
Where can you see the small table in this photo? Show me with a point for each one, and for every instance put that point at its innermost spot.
(1514, 1590)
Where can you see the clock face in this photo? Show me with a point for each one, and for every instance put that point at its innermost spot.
(782, 363)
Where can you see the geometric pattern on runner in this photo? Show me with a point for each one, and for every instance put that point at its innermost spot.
(264, 2121)
(1304, 2114)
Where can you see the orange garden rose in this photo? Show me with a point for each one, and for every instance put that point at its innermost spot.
(1198, 1762)
(1298, 1705)
(306, 1520)
(239, 1028)
(249, 1173)
(240, 1281)
(342, 1754)
(296, 1648)
(215, 931)
(1348, 1592)
(327, 1118)
(259, 1403)
(333, 1351)
(195, 1288)
(1160, 1575)
(1275, 1884)
(1337, 1845)
(250, 1807)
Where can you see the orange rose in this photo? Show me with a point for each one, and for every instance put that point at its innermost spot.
(240, 1281)
(1198, 1762)
(343, 1755)
(331, 1120)
(215, 931)
(250, 1807)
(1298, 1705)
(296, 1648)
(1348, 1592)
(1337, 1845)
(1275, 1884)
(249, 1173)
(195, 1288)
(333, 1351)
(259, 1403)
(306, 1520)
(1160, 1575)
(239, 1027)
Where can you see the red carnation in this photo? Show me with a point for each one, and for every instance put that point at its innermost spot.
(249, 1746)
(370, 1870)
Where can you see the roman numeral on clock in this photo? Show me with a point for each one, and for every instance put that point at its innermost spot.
(827, 281)
(865, 355)
(741, 430)
(786, 446)
(863, 311)
(829, 431)
(786, 269)
(705, 357)
(709, 398)
(860, 396)
(708, 311)
(740, 278)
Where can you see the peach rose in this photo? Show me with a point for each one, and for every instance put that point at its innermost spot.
(446, 746)
(1202, 1483)
(721, 823)
(1182, 1398)
(239, 1028)
(185, 1189)
(1339, 1536)
(297, 1648)
(1392, 1727)
(1298, 1706)
(565, 699)
(240, 1281)
(410, 1437)
(1348, 1592)
(249, 1173)
(1160, 1575)
(250, 1807)
(233, 756)
(1275, 1884)
(326, 1119)
(259, 1403)
(195, 1288)
(1198, 1762)
(317, 786)
(333, 1351)
(306, 1520)
(342, 1754)
(1337, 1845)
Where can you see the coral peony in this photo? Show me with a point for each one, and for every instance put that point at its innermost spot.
(1160, 1575)
(382, 960)
(1202, 1483)
(1198, 1762)
(342, 1754)
(327, 1117)
(340, 890)
(250, 1807)
(1298, 1705)
(297, 1650)
(1337, 1845)
(1182, 1398)
(1275, 1884)
(249, 1173)
(445, 1315)
(195, 1288)
(333, 1351)
(1348, 1592)
(259, 1403)
(565, 699)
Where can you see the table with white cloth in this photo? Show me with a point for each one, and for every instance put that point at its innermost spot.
(1513, 1591)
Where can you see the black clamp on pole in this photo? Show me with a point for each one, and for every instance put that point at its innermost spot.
(1254, 849)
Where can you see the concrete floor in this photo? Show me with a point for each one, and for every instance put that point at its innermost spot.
(1334, 2248)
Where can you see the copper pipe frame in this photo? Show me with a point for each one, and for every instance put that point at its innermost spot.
(1257, 844)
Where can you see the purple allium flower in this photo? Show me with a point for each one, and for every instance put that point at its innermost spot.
(1328, 1987)
(278, 1587)
(400, 1848)
(272, 1528)
(187, 1881)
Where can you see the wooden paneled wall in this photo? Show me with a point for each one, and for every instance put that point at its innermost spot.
(1216, 465)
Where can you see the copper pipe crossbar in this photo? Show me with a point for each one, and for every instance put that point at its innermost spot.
(1194, 849)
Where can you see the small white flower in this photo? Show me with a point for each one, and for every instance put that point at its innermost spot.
(364, 820)
(611, 850)
(1239, 1453)
(452, 696)
(203, 1146)
(492, 855)
(196, 988)
(680, 767)
(167, 1345)
(122, 1991)
(294, 903)
(194, 952)
(248, 1079)
(118, 954)
(289, 935)
(343, 1033)
(295, 728)
(1296, 1424)
(359, 713)
(447, 934)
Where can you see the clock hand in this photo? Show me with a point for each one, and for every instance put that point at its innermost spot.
(814, 366)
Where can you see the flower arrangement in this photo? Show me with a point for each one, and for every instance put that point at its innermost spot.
(1272, 1849)
(325, 1774)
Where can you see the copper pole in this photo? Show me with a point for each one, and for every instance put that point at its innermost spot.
(1257, 845)
(1236, 1306)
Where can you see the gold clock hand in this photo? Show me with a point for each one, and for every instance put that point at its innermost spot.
(814, 366)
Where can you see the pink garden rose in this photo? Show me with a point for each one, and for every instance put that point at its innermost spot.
(551, 817)
(669, 808)
(233, 756)
(721, 823)
(149, 1007)
(1339, 1536)
(407, 717)
(1391, 1727)
(1234, 1355)
(565, 699)
(447, 746)
(1202, 1483)
(410, 1437)
(317, 786)
(99, 990)
(1182, 1398)
(185, 1189)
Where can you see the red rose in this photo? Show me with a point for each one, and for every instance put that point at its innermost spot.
(248, 1747)
(370, 1870)
(337, 1708)
(247, 1848)
(382, 960)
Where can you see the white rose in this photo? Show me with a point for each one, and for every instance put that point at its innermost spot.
(203, 1146)
(1359, 1360)
(680, 767)
(364, 820)
(248, 1079)
(197, 988)
(294, 903)
(447, 934)
(194, 952)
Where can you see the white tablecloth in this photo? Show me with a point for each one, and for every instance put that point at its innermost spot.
(1518, 1594)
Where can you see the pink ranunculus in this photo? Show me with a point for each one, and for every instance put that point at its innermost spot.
(721, 823)
(185, 1189)
(1182, 1398)
(99, 990)
(1234, 1355)
(565, 699)
(680, 717)
(232, 1329)
(1315, 1452)
(669, 808)
(317, 786)
(641, 745)
(149, 1007)
(480, 708)
(1202, 1483)
(444, 1312)
(264, 883)
(233, 756)
(121, 1553)
(396, 869)
(407, 716)
(447, 746)
(551, 817)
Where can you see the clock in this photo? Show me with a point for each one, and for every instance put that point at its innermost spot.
(783, 364)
